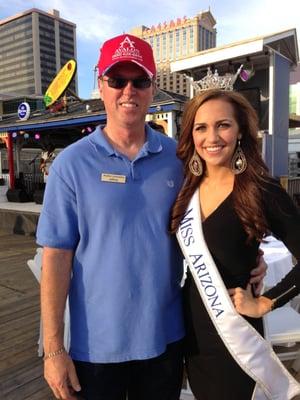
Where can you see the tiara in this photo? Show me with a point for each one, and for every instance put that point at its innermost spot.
(216, 81)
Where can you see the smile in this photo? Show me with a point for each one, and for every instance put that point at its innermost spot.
(128, 104)
(213, 149)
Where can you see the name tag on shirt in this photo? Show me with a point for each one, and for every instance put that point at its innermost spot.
(113, 178)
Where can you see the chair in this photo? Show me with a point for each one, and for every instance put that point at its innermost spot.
(35, 266)
(282, 328)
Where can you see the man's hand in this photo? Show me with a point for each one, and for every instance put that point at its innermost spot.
(258, 273)
(60, 373)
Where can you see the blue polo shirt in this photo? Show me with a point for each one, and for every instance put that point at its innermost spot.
(125, 300)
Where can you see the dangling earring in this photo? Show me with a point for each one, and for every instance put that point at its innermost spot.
(238, 162)
(195, 164)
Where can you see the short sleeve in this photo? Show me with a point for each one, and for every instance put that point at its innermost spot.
(58, 222)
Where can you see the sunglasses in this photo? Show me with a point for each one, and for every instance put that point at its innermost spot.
(120, 83)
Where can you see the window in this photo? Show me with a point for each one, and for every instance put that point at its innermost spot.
(191, 49)
(151, 41)
(164, 47)
(177, 42)
(171, 45)
(184, 49)
(157, 50)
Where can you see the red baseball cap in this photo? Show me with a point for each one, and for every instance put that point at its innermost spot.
(127, 48)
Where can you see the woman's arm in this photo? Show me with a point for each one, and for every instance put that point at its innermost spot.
(284, 222)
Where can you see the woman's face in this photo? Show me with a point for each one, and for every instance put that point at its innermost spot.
(215, 133)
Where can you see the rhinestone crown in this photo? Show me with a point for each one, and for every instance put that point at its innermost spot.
(216, 81)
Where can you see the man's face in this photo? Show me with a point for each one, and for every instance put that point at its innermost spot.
(126, 107)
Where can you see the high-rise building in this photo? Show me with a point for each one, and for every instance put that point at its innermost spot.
(34, 46)
(175, 39)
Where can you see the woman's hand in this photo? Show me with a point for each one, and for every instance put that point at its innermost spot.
(248, 305)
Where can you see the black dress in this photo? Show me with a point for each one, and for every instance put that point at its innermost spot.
(213, 374)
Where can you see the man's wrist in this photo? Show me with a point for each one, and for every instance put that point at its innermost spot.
(55, 353)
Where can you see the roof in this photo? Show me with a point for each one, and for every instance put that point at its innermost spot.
(15, 96)
(83, 113)
(77, 113)
(52, 14)
(257, 49)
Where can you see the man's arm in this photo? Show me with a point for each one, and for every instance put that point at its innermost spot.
(59, 370)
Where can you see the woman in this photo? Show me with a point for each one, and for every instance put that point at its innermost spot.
(239, 205)
(47, 157)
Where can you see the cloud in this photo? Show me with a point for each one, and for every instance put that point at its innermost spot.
(100, 20)
(97, 20)
(256, 18)
(93, 24)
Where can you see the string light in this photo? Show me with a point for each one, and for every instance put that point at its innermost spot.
(87, 129)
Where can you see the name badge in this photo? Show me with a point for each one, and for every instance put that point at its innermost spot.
(113, 178)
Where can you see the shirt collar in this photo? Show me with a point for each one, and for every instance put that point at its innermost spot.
(152, 144)
(98, 138)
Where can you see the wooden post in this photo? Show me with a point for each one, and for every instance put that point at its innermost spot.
(10, 154)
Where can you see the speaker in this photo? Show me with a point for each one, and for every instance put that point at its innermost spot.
(17, 195)
(38, 196)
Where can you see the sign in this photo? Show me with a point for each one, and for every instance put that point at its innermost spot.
(24, 111)
(60, 83)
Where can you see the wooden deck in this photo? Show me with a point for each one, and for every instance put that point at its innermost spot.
(21, 370)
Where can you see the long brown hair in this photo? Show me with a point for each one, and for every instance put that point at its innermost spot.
(247, 196)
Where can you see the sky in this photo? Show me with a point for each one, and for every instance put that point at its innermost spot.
(98, 20)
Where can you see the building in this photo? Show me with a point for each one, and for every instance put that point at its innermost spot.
(295, 98)
(176, 39)
(9, 104)
(21, 141)
(34, 46)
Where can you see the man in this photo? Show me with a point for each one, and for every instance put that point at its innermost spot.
(105, 220)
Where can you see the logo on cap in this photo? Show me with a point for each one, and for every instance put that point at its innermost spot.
(127, 49)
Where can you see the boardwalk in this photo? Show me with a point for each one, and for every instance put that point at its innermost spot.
(20, 368)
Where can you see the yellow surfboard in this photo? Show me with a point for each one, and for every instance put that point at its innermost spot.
(60, 83)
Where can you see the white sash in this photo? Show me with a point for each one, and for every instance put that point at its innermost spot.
(249, 349)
